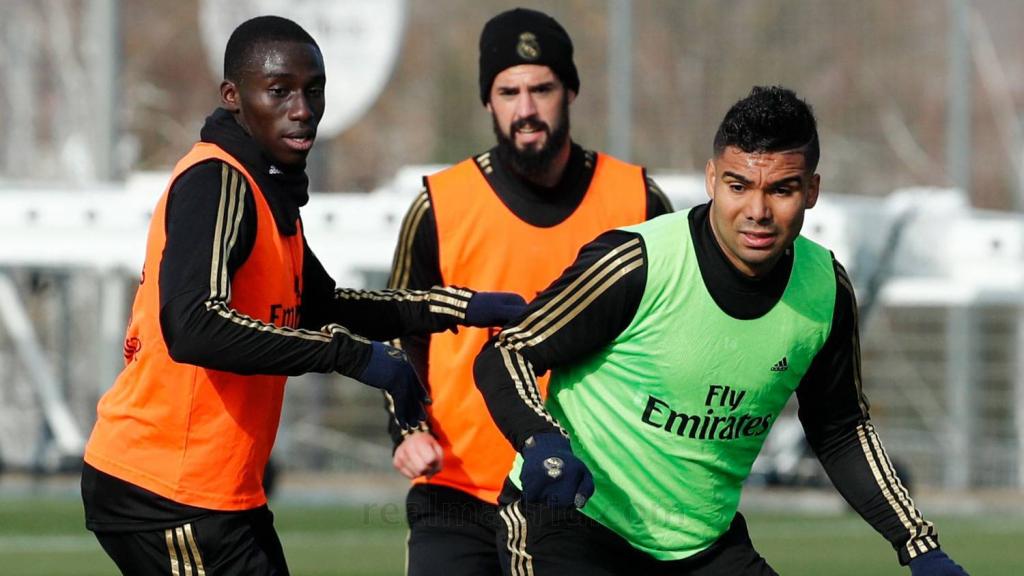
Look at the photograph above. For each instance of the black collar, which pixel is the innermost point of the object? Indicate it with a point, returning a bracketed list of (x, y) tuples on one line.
[(285, 190), (540, 206)]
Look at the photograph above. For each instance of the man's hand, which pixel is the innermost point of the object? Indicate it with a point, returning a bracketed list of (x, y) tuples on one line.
[(935, 563), (487, 309), (419, 454), (552, 474), (389, 370)]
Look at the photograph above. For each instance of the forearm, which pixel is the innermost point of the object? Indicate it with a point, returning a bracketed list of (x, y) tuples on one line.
[(864, 475), (416, 348), (834, 413), (388, 314), (507, 381), (415, 265), (213, 335), (568, 321), (379, 314)]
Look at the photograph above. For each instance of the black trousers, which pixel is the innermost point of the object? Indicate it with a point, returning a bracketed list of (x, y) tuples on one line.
[(538, 540), (450, 533), (217, 544)]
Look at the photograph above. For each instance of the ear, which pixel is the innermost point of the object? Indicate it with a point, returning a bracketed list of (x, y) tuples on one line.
[(572, 96), (710, 178), (229, 97), (812, 192), (488, 106)]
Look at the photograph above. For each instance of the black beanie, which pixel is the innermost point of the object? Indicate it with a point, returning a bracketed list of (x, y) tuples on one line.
[(523, 36)]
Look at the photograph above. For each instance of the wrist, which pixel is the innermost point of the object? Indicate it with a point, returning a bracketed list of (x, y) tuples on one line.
[(383, 366), (547, 437)]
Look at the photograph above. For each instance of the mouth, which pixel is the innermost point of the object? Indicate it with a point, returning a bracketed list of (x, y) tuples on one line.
[(300, 141), (530, 131), (758, 240)]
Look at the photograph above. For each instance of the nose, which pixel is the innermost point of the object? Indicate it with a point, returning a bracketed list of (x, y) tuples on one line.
[(525, 106), (757, 207), (299, 108)]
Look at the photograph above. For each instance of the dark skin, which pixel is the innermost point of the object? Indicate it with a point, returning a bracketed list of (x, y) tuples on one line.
[(278, 99)]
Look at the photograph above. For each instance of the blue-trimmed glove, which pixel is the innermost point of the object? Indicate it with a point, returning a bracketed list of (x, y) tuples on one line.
[(935, 563), (552, 474), (487, 309), (389, 369)]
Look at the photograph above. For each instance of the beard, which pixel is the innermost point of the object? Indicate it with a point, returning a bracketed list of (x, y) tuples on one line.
[(533, 161)]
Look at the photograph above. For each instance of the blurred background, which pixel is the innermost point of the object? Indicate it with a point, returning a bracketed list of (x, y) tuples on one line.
[(920, 106)]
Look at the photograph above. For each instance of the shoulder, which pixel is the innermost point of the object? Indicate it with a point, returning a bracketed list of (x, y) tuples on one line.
[(675, 224), (844, 286), (420, 211), (210, 178), (613, 240), (821, 257), (657, 202), (457, 176)]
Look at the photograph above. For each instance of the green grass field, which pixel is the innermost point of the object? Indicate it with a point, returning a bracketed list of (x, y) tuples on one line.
[(46, 537)]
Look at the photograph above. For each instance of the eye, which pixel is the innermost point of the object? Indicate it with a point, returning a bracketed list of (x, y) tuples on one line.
[(735, 186), (277, 91), (317, 91)]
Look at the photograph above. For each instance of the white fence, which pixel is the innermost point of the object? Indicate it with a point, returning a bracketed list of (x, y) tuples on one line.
[(940, 284)]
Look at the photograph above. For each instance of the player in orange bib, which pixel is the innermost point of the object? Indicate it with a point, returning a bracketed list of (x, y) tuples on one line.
[(509, 219), (231, 302)]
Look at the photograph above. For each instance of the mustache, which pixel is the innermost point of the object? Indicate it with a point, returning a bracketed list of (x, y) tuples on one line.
[(531, 122)]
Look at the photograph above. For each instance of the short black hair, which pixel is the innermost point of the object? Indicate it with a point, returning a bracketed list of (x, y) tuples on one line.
[(770, 119), (254, 32)]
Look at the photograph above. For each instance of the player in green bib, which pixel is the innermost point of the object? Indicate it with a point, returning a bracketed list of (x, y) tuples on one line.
[(674, 345)]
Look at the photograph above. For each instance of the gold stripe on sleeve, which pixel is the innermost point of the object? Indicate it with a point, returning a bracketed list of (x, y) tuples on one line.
[(866, 442), (229, 216), (526, 384), (558, 316), (922, 529), (402, 266), (569, 292), (382, 295), (583, 304), (217, 230), (239, 210)]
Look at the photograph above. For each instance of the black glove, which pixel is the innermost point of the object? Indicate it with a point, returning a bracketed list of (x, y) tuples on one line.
[(389, 369), (552, 474), (494, 308), (935, 563)]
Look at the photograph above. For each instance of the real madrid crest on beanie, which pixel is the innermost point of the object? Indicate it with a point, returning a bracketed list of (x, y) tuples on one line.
[(523, 36)]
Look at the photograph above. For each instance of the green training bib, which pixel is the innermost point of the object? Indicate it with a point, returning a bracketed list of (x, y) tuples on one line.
[(670, 416)]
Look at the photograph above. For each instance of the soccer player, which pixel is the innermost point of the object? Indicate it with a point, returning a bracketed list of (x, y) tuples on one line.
[(231, 301), (511, 218), (674, 344)]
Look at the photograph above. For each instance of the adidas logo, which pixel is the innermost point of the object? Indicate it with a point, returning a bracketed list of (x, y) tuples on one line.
[(781, 365)]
